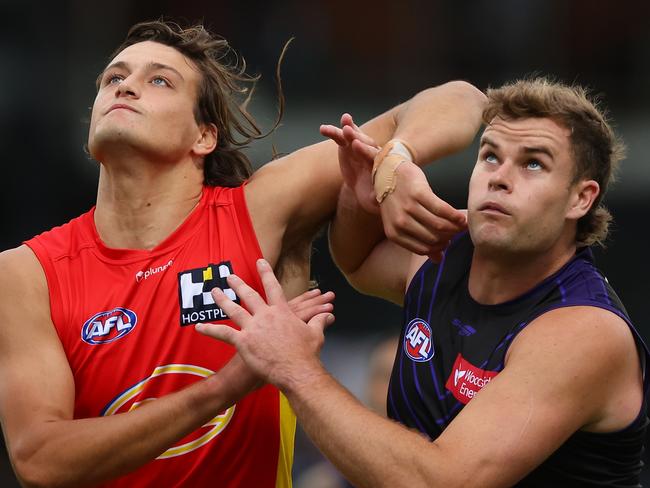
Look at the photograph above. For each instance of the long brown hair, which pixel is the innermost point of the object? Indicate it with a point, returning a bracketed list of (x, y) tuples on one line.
[(224, 92)]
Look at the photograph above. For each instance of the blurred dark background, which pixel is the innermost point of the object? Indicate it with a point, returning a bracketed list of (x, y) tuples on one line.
[(362, 57)]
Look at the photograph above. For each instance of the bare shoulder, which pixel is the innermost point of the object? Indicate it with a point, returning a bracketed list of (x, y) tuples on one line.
[(21, 274), (587, 354), (24, 297), (578, 329)]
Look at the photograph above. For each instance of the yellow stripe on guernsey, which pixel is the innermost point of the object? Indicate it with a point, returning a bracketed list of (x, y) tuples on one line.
[(287, 436), (214, 427)]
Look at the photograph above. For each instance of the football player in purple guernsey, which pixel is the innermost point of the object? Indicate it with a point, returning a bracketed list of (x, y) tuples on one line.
[(517, 363)]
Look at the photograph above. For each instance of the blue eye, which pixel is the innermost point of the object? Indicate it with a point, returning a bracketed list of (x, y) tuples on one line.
[(112, 79), (159, 81), (534, 165), (491, 158)]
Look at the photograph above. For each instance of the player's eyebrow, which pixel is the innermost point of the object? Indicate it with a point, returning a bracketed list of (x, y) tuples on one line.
[(486, 140), (526, 149), (539, 149)]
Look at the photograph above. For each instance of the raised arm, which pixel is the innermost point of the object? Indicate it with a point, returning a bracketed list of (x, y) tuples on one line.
[(290, 198), (47, 447), (414, 219)]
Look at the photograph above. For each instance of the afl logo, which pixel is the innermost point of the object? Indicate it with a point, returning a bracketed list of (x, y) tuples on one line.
[(108, 326), (418, 342)]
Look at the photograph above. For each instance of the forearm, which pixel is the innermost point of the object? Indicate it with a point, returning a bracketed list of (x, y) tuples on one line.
[(84, 452), (434, 123), (353, 233), (370, 451), (441, 120)]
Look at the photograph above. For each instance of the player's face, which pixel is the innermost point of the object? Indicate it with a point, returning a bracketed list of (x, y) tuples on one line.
[(521, 193), (145, 104)]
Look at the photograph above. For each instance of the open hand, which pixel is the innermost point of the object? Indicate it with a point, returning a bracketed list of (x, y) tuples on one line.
[(357, 151), (416, 218), (272, 340)]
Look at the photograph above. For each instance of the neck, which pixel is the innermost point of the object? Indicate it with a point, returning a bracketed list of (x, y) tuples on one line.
[(495, 279), (139, 206)]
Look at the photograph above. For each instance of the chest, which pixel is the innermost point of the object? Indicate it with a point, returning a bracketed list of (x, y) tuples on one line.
[(127, 325)]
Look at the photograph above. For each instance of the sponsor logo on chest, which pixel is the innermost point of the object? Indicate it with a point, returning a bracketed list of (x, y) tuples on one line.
[(418, 341), (108, 326), (466, 380), (195, 300), (462, 328), (166, 379), (143, 275)]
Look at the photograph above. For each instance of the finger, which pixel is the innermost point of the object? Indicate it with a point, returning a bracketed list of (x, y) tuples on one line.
[(321, 321), (414, 245), (351, 135), (321, 298), (303, 300), (305, 296), (237, 314), (419, 233), (439, 207), (307, 313), (346, 119), (433, 223), (352, 123), (364, 150), (251, 298), (333, 133), (306, 309), (273, 290), (221, 332)]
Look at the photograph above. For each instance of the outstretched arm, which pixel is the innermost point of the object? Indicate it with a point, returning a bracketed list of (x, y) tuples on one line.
[(515, 422), (414, 219), (292, 197)]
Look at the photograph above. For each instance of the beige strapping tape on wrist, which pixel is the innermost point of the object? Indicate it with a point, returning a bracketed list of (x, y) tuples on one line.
[(384, 177)]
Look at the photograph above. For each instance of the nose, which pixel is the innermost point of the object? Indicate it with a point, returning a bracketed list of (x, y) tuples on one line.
[(128, 87), (501, 177)]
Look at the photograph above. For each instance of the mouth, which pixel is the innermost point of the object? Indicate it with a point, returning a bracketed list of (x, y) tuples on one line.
[(493, 208), (121, 106)]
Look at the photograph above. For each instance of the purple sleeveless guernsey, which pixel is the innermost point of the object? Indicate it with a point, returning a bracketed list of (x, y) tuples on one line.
[(451, 346)]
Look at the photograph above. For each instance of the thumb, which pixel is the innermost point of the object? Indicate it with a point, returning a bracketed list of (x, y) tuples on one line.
[(321, 320)]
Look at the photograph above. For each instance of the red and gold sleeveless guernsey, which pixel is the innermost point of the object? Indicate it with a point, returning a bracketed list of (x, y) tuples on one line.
[(125, 320)]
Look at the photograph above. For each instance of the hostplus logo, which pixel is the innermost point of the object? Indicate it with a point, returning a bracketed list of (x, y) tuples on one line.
[(146, 274), (194, 286)]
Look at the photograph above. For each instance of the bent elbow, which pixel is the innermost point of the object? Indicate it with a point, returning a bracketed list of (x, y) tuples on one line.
[(468, 91), (32, 473)]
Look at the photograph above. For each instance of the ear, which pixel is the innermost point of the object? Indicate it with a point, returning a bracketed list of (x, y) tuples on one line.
[(583, 195), (207, 141)]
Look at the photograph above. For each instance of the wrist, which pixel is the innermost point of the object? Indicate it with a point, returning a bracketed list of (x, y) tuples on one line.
[(303, 382), (228, 385), (386, 163)]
